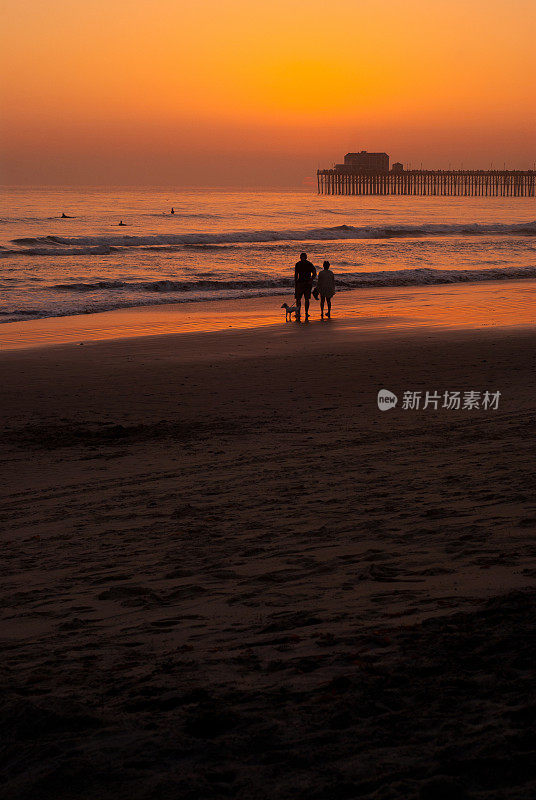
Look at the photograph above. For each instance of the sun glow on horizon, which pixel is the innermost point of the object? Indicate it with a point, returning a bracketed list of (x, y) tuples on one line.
[(112, 89)]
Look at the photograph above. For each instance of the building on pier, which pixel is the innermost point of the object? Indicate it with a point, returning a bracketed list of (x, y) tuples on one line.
[(365, 162)]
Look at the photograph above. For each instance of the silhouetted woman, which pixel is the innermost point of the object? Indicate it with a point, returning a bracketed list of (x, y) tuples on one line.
[(326, 288)]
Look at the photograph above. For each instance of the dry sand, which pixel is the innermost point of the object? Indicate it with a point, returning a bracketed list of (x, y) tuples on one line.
[(225, 573)]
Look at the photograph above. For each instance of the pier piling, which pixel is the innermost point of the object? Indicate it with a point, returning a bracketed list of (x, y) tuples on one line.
[(455, 183)]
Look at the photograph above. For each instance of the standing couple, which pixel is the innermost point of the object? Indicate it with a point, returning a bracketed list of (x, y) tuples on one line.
[(304, 275)]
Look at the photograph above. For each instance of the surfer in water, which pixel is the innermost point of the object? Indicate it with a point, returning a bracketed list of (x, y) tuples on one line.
[(121, 223)]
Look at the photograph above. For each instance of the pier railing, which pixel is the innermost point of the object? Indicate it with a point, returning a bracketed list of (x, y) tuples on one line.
[(466, 183)]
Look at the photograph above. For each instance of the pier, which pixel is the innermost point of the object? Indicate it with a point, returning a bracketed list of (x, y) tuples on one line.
[(455, 183), (368, 173)]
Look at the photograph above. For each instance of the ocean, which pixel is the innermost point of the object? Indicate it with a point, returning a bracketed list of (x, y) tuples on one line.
[(237, 244)]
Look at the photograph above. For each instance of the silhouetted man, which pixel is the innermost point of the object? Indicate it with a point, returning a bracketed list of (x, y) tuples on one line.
[(304, 274)]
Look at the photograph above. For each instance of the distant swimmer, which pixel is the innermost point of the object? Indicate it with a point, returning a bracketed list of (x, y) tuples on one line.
[(121, 223), (172, 210)]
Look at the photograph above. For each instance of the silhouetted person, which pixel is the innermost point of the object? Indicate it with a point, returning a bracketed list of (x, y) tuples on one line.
[(65, 216), (172, 210), (326, 288), (121, 223), (304, 274)]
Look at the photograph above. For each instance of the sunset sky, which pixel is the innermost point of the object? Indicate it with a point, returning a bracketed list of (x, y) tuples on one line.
[(251, 92)]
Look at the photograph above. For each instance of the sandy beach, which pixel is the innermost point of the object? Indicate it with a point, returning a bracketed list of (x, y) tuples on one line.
[(226, 573), (248, 552)]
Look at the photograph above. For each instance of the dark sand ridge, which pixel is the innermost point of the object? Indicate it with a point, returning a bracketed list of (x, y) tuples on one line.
[(227, 574)]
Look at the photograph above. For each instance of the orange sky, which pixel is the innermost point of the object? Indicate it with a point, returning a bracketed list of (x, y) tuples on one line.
[(255, 92)]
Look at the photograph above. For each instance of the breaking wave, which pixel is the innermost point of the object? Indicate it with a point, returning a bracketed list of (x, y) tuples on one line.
[(403, 277), (66, 299), (97, 250), (175, 286), (95, 245)]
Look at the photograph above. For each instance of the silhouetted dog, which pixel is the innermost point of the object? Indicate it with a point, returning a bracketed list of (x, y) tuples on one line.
[(289, 311)]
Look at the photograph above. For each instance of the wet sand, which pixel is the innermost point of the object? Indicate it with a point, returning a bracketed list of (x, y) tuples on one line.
[(378, 309), (226, 573)]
